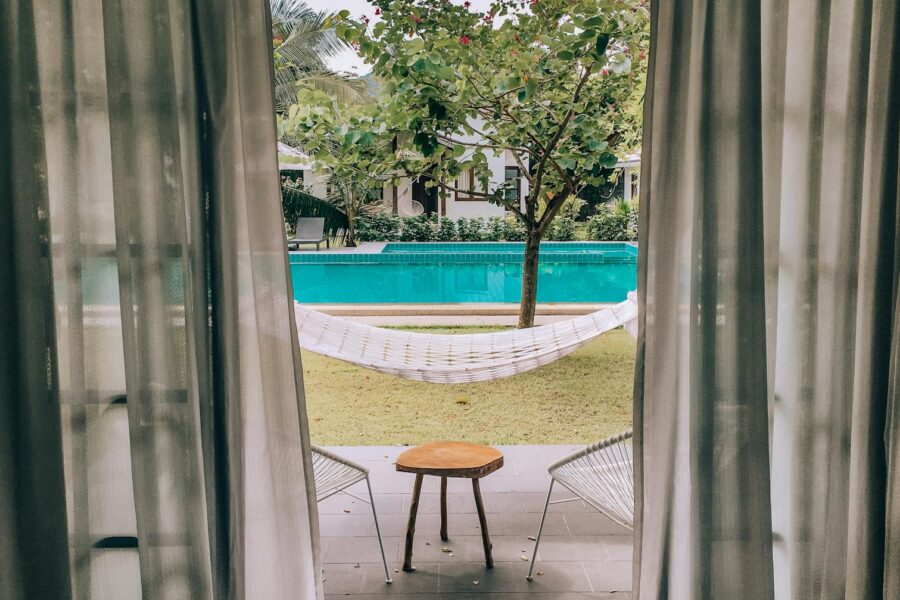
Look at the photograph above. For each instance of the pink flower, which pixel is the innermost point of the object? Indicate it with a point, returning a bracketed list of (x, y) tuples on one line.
[(377, 11), (464, 40), (467, 4), (417, 18)]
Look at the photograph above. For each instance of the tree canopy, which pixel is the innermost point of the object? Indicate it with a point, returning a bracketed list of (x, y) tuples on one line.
[(557, 83)]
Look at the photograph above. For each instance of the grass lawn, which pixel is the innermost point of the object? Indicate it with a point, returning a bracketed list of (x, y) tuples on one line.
[(578, 399)]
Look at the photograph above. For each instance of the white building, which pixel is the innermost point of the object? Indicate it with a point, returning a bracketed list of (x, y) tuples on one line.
[(412, 197)]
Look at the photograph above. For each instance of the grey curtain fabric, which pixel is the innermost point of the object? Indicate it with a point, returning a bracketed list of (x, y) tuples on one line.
[(767, 379), (153, 419)]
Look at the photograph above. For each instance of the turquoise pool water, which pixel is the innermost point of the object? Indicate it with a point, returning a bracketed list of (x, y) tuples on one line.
[(465, 272)]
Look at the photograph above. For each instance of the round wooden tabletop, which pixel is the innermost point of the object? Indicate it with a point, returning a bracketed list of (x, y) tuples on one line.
[(451, 459)]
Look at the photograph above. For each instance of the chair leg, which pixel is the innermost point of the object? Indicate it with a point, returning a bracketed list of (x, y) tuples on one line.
[(387, 574), (537, 540), (444, 536)]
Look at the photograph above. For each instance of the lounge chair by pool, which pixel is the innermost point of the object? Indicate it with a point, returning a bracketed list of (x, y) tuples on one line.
[(309, 230)]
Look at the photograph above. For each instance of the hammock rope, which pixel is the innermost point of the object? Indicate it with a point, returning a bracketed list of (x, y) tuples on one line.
[(441, 358)]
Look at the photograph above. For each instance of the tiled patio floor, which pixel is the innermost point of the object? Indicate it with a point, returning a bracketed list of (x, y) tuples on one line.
[(583, 554)]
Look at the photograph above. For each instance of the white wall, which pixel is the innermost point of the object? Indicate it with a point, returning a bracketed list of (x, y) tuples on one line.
[(315, 183)]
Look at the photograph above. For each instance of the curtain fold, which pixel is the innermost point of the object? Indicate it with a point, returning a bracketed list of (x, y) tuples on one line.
[(768, 354), (34, 547), (168, 417)]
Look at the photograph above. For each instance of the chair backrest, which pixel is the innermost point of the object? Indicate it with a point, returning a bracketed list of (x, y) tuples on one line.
[(310, 228), (602, 475)]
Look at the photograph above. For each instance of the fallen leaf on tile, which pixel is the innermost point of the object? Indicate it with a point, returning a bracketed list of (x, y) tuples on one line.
[(523, 557), (446, 549), (531, 537), (475, 582)]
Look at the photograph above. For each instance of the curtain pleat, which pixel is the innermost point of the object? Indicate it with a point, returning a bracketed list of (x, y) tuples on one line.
[(34, 557), (769, 273), (148, 284)]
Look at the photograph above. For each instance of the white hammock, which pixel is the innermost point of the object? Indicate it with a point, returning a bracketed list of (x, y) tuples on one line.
[(441, 358)]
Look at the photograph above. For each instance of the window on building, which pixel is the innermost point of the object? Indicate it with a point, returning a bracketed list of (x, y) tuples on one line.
[(466, 184), (513, 179)]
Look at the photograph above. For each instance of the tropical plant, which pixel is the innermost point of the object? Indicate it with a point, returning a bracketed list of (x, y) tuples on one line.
[(514, 230), (446, 230), (614, 221), (562, 95), (470, 230), (378, 227), (302, 41), (562, 229), (495, 228), (348, 144), (296, 203), (420, 228)]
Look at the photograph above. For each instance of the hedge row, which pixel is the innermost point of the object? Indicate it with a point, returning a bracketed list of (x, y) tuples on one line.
[(424, 228), (613, 222)]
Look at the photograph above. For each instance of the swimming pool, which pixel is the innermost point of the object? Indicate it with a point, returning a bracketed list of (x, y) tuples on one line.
[(452, 272)]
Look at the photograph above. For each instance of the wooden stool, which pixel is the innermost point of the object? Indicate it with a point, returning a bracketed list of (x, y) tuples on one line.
[(448, 459)]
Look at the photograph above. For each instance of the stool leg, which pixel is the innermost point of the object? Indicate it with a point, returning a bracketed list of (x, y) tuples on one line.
[(485, 537), (411, 525), (444, 536)]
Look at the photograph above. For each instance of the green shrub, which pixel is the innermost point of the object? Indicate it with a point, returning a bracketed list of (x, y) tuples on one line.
[(615, 221), (471, 230), (513, 230), (633, 222), (378, 227), (562, 229), (420, 228), (494, 229), (446, 230)]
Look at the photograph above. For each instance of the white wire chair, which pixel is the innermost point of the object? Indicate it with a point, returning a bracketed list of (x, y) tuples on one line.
[(334, 474), (602, 475)]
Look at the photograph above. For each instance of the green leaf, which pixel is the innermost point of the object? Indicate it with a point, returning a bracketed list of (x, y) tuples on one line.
[(596, 21), (530, 89), (601, 44), (509, 83)]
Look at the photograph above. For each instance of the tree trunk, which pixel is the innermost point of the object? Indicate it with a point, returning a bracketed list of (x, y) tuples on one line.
[(529, 278)]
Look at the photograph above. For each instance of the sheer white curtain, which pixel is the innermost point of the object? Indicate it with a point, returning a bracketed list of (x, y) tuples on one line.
[(766, 452), (153, 426)]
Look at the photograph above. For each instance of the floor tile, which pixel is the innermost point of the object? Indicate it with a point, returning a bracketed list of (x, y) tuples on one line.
[(583, 556), (609, 576), (343, 578), (511, 577)]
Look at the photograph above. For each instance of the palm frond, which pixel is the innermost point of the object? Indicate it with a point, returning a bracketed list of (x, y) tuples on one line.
[(298, 203), (344, 88)]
